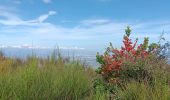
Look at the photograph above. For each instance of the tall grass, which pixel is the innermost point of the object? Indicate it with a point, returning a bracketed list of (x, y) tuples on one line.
[(158, 88), (143, 91), (57, 78), (44, 79)]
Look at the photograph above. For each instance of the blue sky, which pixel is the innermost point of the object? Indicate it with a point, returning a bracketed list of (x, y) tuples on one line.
[(89, 24)]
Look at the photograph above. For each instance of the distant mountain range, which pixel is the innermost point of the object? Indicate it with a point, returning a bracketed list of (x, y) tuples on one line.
[(24, 51), (24, 46)]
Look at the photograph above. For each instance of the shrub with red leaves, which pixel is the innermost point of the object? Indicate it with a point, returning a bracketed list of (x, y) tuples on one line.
[(113, 60)]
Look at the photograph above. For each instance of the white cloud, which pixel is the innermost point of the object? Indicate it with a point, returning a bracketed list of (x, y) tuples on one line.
[(96, 31), (30, 46), (12, 19), (17, 1), (9, 18), (87, 30), (47, 1), (95, 21), (52, 12), (42, 18)]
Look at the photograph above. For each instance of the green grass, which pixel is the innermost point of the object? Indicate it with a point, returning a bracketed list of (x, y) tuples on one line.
[(143, 91), (156, 89), (56, 78), (44, 79)]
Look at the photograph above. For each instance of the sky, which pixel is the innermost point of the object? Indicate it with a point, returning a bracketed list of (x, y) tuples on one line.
[(87, 24)]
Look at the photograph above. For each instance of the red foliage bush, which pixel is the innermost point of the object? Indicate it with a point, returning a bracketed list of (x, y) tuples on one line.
[(113, 59)]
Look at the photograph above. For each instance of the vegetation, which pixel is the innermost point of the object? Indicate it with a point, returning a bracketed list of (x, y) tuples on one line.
[(42, 79), (134, 72)]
